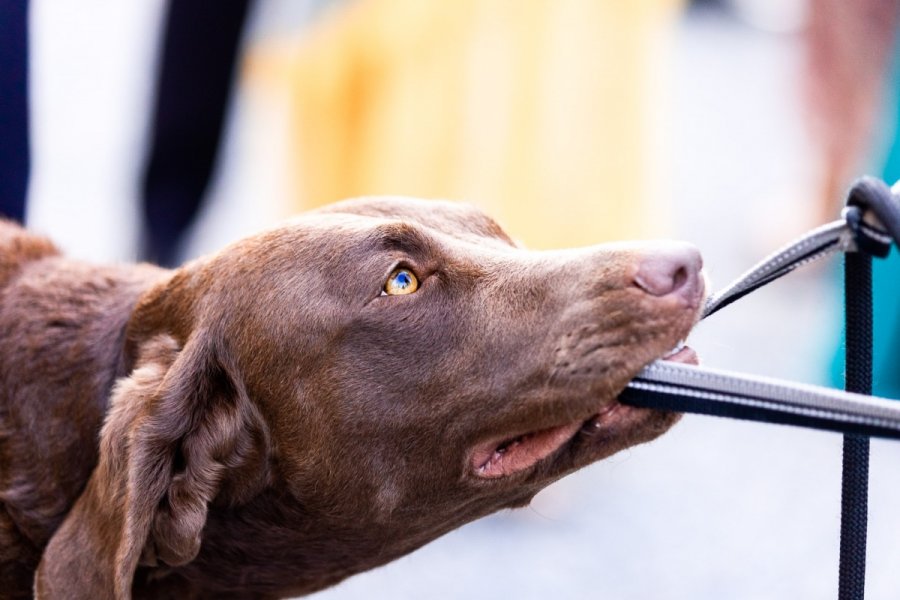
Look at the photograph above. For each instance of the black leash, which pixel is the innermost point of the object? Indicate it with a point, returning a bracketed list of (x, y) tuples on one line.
[(874, 196), (855, 468), (870, 224)]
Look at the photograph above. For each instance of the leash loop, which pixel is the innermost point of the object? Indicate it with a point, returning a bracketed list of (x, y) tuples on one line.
[(866, 238), (875, 198)]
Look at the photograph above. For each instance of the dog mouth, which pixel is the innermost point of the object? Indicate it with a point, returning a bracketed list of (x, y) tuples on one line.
[(503, 457), (682, 353)]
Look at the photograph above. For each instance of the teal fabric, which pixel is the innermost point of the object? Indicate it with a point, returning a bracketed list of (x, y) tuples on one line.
[(885, 272)]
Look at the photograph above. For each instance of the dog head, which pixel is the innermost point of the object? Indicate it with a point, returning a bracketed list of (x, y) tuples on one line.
[(357, 383)]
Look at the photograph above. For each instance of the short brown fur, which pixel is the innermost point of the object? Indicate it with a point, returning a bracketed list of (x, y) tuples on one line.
[(265, 423)]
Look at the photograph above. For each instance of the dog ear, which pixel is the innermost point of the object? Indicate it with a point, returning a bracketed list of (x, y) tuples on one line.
[(179, 428)]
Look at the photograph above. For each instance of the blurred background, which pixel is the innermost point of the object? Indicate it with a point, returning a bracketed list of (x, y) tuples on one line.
[(733, 124)]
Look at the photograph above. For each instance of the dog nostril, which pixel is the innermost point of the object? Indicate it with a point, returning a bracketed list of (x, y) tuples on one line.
[(679, 278), (669, 270)]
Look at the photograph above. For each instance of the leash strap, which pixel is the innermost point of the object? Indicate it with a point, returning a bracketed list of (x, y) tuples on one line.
[(855, 466), (674, 386), (844, 235), (739, 396)]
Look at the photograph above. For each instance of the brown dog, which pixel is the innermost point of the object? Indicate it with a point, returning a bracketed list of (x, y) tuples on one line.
[(311, 402)]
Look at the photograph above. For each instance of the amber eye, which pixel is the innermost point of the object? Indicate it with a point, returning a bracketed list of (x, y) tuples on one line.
[(401, 281)]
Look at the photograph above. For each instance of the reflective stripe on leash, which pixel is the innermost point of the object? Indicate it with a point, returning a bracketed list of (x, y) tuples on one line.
[(701, 390)]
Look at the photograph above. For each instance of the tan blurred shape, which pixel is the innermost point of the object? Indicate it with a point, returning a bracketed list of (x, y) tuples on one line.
[(848, 52), (546, 113)]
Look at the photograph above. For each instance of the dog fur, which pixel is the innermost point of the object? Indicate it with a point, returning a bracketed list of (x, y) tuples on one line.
[(266, 422)]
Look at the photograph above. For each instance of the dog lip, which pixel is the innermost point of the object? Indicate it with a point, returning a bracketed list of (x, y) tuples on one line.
[(505, 456), (685, 355), (500, 457)]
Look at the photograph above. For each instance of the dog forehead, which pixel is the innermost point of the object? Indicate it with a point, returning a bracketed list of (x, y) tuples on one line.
[(455, 219)]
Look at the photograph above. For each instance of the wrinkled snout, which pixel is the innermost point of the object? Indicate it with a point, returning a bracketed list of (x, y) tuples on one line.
[(671, 269)]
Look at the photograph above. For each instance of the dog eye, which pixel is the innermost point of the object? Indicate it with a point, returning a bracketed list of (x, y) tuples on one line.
[(401, 281)]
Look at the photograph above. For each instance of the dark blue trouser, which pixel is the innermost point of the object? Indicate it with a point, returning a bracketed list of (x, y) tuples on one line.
[(15, 163), (197, 64)]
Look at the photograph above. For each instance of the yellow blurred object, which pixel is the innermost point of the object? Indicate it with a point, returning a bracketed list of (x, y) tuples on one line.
[(546, 113)]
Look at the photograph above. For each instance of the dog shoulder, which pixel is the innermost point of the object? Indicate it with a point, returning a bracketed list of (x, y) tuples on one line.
[(19, 247)]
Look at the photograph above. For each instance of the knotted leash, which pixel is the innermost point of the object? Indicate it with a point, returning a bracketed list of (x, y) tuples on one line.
[(868, 226)]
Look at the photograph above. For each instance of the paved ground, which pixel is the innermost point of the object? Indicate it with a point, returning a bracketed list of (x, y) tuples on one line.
[(714, 510)]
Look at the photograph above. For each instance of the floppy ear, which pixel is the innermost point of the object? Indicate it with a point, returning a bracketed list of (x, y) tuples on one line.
[(178, 429)]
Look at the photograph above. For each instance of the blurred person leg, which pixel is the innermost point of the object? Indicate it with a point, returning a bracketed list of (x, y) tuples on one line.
[(877, 74), (197, 65), (15, 163), (886, 272), (848, 54)]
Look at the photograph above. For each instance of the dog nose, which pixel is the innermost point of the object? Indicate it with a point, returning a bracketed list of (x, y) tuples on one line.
[(673, 268)]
